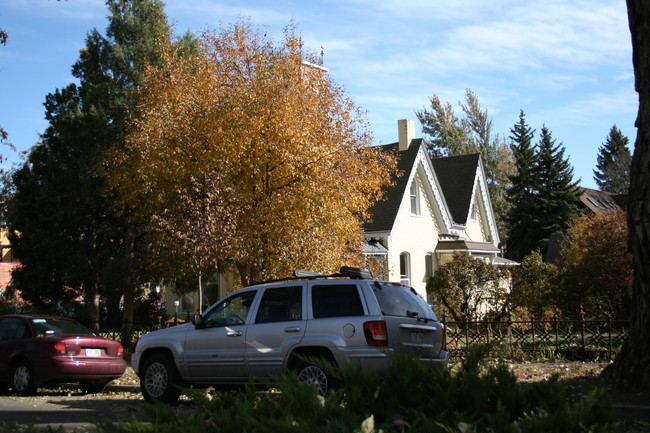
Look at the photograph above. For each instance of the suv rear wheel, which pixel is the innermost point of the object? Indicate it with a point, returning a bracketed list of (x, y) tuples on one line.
[(316, 376), (159, 380)]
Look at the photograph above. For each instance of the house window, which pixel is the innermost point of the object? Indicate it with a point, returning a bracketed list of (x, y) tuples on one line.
[(415, 199), (473, 215), (405, 269)]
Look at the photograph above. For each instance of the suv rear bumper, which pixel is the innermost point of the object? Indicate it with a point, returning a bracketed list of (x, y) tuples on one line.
[(377, 362)]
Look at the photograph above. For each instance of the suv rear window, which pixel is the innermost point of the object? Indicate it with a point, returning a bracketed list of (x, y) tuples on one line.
[(336, 301), (398, 300)]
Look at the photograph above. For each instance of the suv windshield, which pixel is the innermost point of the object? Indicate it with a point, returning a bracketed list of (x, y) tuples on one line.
[(398, 300)]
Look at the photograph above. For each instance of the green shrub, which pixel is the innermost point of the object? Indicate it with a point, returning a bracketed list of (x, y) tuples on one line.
[(472, 397)]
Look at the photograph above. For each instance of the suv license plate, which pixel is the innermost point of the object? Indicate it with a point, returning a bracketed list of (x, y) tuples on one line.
[(94, 352), (417, 337)]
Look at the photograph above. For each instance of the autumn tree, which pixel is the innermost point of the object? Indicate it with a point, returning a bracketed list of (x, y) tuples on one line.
[(612, 173), (595, 269), (449, 135), (632, 364), (276, 151), (532, 288), (469, 288)]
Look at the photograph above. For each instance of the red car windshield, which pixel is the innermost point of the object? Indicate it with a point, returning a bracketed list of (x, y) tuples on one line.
[(55, 325)]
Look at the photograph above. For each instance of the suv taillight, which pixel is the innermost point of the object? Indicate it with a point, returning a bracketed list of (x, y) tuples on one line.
[(376, 333)]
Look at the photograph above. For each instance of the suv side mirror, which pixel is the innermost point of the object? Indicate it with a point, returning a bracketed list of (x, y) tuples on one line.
[(198, 322)]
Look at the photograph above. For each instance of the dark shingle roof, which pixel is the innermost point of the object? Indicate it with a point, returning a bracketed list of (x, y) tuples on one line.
[(456, 175), (602, 201), (385, 211)]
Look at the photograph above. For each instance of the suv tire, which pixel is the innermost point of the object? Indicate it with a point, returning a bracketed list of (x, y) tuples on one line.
[(315, 375), (159, 380)]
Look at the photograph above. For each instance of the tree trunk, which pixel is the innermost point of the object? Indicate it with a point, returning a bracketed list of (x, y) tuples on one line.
[(632, 365), (128, 294), (93, 305)]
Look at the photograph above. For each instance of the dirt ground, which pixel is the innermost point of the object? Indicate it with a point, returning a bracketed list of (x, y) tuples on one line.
[(577, 379)]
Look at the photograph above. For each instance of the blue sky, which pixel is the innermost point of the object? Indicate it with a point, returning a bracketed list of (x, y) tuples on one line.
[(567, 64)]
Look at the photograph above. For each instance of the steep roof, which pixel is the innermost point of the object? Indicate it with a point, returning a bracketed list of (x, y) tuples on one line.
[(384, 212), (602, 201), (456, 175)]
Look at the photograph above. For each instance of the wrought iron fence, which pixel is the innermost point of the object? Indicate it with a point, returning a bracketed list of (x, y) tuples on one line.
[(516, 339), (532, 339)]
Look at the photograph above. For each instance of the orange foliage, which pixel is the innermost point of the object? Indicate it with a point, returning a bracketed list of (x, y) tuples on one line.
[(281, 153), (596, 266)]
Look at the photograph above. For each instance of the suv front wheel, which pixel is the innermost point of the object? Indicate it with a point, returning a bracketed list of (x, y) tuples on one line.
[(159, 380)]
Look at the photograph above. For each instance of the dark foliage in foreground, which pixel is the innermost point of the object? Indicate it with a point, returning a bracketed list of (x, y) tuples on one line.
[(470, 398)]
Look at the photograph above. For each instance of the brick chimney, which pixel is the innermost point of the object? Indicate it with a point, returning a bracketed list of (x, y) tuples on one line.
[(406, 129)]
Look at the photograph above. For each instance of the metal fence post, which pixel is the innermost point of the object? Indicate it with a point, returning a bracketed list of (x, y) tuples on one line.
[(510, 333), (557, 334), (532, 325), (487, 332), (582, 330), (609, 332)]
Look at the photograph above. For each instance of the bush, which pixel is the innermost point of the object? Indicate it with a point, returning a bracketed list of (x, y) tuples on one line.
[(471, 397)]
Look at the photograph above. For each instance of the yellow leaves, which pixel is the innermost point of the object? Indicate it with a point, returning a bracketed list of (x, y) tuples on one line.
[(286, 142)]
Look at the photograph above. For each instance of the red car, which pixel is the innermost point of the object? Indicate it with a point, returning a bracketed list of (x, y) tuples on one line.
[(40, 349)]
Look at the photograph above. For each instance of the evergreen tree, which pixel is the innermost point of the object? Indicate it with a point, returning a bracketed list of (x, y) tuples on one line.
[(614, 161), (558, 195), (62, 224), (522, 191)]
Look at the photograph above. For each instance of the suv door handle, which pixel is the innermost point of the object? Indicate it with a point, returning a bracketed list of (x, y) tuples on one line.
[(292, 329), (234, 333)]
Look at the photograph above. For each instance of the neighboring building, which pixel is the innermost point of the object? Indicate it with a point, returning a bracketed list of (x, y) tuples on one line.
[(591, 201), (7, 261), (601, 201), (436, 208)]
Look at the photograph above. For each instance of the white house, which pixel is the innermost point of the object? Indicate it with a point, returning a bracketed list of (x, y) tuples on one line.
[(437, 207)]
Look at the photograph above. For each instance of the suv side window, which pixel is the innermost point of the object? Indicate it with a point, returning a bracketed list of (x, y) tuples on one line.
[(336, 301), (280, 304), (230, 311)]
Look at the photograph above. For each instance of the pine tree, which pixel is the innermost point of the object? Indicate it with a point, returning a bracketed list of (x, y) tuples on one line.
[(558, 195), (63, 226), (614, 161), (524, 186)]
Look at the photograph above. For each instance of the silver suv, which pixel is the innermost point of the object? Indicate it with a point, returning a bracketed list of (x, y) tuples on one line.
[(267, 329)]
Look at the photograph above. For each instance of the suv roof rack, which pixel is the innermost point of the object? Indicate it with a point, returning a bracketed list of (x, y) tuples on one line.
[(344, 272)]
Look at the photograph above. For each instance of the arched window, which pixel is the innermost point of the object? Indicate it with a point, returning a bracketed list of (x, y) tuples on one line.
[(405, 269)]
